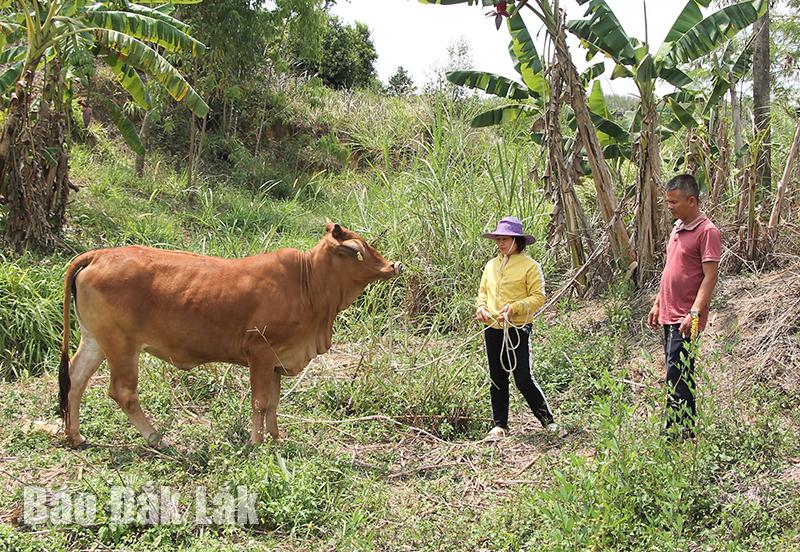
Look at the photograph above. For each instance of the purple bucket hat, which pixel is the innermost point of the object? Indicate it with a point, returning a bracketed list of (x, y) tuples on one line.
[(511, 227)]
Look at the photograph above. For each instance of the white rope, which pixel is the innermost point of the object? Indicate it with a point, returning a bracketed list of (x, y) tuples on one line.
[(508, 346)]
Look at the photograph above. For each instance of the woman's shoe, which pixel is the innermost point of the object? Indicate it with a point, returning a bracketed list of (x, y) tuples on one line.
[(555, 429), (496, 433)]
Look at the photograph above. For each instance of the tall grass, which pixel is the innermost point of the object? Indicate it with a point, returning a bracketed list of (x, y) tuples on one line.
[(430, 214), (637, 490), (425, 208), (30, 314)]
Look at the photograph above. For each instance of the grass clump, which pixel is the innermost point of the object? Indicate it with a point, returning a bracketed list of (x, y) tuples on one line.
[(30, 311)]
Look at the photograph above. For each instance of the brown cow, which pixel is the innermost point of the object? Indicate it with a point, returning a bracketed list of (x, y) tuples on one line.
[(271, 312)]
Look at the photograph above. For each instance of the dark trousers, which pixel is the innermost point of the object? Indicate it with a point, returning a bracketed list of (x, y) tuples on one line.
[(518, 357), (681, 408)]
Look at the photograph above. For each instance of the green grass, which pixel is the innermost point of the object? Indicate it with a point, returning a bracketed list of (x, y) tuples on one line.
[(381, 439)]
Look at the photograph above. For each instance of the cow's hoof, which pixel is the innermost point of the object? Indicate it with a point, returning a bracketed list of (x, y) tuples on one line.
[(77, 444), (157, 441)]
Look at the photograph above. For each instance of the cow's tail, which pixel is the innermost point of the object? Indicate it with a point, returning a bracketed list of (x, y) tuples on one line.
[(63, 369)]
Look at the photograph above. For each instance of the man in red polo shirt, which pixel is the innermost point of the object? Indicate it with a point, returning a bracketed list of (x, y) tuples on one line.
[(684, 296)]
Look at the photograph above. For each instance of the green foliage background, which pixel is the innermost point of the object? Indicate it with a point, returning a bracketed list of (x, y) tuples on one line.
[(354, 470)]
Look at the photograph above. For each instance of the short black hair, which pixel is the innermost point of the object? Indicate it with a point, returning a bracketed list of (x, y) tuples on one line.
[(520, 244), (686, 183)]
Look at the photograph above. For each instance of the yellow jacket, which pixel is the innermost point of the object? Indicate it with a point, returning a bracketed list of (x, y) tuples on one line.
[(520, 283)]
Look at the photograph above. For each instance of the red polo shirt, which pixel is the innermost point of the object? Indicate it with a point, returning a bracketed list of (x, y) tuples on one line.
[(688, 248)]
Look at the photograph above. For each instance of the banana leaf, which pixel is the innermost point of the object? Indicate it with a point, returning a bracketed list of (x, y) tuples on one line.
[(592, 72), (14, 53), (596, 100), (139, 55), (526, 58), (503, 114), (729, 75), (601, 30), (157, 14), (690, 16), (714, 30), (617, 151), (10, 77), (489, 83), (674, 76), (148, 29), (610, 128), (128, 78), (681, 116), (125, 126)]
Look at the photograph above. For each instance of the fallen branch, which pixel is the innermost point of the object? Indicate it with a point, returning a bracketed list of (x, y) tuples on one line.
[(560, 293), (426, 467), (526, 466), (374, 418)]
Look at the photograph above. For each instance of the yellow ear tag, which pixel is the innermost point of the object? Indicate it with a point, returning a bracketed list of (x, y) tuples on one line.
[(359, 256)]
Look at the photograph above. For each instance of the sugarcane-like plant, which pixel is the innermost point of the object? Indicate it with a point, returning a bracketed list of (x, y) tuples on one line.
[(570, 86)]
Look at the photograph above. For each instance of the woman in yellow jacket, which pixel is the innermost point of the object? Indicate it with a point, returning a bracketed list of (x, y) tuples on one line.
[(511, 291)]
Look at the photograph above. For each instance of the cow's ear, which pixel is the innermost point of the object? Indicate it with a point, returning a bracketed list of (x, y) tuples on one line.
[(353, 248)]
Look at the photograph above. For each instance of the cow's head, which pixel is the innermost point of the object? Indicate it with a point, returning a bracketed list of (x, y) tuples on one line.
[(356, 257)]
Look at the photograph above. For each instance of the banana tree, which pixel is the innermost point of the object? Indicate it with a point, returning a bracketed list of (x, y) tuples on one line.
[(729, 70), (539, 99), (529, 67), (691, 37), (53, 38)]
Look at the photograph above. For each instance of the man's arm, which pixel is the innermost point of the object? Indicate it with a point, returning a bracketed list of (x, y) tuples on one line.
[(710, 276), (703, 299), (652, 316)]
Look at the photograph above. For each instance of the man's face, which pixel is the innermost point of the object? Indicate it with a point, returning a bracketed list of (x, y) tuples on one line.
[(680, 205)]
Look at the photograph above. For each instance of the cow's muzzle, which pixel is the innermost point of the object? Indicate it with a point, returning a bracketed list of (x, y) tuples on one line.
[(398, 269)]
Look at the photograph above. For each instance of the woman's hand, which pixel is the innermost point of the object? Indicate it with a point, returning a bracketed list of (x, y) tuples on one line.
[(483, 315), (504, 314)]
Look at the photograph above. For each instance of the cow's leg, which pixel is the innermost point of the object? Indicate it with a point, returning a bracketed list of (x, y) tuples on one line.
[(82, 366), (272, 404), (264, 388), (123, 389)]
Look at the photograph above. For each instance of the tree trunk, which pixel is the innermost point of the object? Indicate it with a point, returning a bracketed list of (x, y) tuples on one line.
[(649, 217), (190, 161), (606, 199), (745, 176), (736, 120), (774, 219), (144, 132), (752, 228), (721, 169), (565, 219), (202, 141), (34, 162), (761, 101)]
